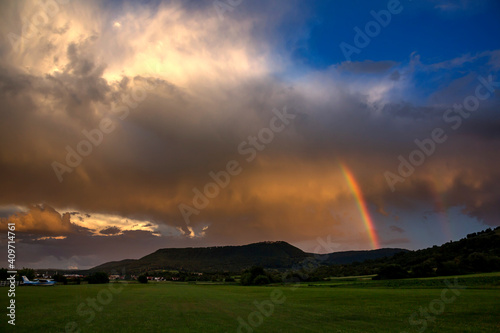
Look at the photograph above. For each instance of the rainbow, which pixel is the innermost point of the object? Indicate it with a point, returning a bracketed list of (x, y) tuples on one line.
[(363, 209)]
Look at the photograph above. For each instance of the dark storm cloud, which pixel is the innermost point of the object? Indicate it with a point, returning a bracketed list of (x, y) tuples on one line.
[(484, 125), (83, 251), (167, 152), (110, 231)]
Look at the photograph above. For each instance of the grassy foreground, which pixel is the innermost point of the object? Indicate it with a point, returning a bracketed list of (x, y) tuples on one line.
[(175, 307)]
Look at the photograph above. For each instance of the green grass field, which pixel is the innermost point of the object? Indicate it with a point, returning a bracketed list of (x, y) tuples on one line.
[(340, 305)]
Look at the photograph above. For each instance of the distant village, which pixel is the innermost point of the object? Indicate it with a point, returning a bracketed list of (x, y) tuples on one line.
[(77, 278)]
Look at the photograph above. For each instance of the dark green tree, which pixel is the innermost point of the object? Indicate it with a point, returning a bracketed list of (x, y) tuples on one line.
[(3, 274), (28, 272), (60, 278), (261, 280), (391, 271), (249, 277), (142, 279), (98, 278)]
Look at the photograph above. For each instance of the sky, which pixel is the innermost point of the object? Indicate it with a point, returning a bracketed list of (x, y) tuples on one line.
[(129, 126)]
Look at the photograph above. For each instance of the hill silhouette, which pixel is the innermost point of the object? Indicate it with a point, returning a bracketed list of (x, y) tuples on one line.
[(272, 255), (478, 252)]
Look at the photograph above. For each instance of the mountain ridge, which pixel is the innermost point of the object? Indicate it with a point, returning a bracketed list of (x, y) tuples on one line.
[(235, 258)]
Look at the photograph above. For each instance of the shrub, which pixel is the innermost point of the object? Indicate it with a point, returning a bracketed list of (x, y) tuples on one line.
[(142, 279), (246, 279), (261, 280), (249, 277)]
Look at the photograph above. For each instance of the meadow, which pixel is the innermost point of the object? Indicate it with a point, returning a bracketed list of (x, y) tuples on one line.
[(353, 304)]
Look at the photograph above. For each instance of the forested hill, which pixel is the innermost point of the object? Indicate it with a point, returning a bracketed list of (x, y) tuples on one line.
[(478, 252), (279, 255)]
